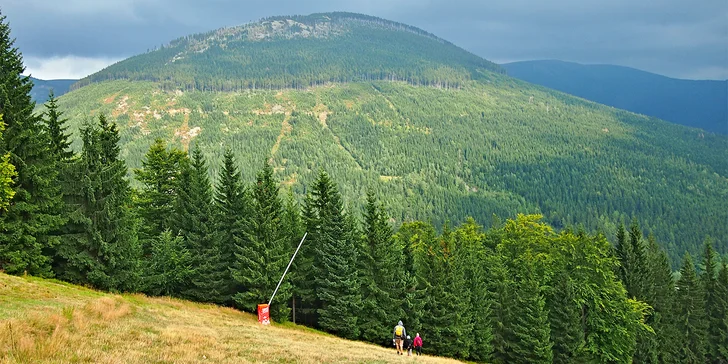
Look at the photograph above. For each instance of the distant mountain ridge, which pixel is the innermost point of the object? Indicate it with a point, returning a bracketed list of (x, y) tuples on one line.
[(696, 103), (42, 87)]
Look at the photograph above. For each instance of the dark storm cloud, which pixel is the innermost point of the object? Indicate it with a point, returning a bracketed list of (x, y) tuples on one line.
[(673, 37)]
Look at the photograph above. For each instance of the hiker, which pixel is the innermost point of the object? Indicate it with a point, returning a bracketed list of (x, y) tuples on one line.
[(408, 345), (418, 344), (399, 334)]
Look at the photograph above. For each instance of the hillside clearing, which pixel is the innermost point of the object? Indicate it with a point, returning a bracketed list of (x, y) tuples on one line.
[(51, 321)]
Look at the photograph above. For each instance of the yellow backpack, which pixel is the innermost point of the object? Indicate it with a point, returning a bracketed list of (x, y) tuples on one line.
[(398, 330)]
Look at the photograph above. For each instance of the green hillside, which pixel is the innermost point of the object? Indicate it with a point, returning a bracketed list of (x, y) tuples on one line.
[(473, 142), (47, 321)]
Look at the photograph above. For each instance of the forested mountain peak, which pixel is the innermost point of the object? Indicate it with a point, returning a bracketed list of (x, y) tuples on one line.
[(302, 51)]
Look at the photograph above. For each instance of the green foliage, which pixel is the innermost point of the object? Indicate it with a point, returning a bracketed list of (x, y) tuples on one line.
[(714, 304), (7, 173), (690, 307), (99, 241), (55, 126), (160, 176), (439, 154), (33, 212), (170, 266), (382, 275), (264, 255), (192, 218), (663, 318), (232, 211), (335, 256), (720, 338)]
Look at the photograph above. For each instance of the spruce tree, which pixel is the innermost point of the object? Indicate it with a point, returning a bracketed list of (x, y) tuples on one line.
[(622, 251), (691, 314), (336, 281), (304, 288), (446, 316), (382, 276), (192, 219), (33, 213), (294, 231), (260, 262), (721, 330), (663, 319), (413, 237), (170, 266), (7, 173), (567, 334), (160, 177), (471, 255), (232, 211), (714, 314), (99, 242), (55, 125), (530, 323)]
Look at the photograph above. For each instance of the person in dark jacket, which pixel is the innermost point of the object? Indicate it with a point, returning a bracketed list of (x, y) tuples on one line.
[(418, 344), (408, 345)]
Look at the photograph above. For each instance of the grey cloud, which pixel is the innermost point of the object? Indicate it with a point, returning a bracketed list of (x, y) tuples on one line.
[(672, 37)]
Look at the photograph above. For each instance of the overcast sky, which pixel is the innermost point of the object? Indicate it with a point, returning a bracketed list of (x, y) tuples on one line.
[(677, 38)]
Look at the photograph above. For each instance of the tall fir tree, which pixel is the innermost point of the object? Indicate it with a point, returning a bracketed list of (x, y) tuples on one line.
[(471, 255), (663, 319), (55, 125), (170, 266), (691, 314), (335, 277), (160, 177), (99, 242), (623, 253), (413, 237), (232, 211), (713, 311), (193, 220), (7, 173), (382, 276), (294, 231), (33, 213), (530, 324), (261, 261), (721, 296), (567, 333), (304, 273), (446, 319)]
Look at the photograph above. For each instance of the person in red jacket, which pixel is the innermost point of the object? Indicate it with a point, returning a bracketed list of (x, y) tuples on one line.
[(418, 344)]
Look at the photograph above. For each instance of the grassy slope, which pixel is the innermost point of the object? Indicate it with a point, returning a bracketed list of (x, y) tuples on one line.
[(498, 146), (51, 321)]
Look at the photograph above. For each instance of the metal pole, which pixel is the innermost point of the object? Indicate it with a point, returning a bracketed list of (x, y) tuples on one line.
[(289, 265)]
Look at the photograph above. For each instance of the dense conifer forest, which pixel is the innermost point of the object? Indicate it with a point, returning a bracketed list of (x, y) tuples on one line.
[(185, 222)]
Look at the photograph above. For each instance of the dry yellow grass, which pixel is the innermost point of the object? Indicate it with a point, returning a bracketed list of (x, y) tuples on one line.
[(53, 322)]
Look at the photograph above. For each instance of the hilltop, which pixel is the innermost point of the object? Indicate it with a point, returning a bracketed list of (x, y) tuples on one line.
[(47, 321), (301, 51), (454, 137), (42, 87), (696, 103)]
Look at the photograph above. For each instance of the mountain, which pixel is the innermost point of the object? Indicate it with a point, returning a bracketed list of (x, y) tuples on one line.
[(42, 87), (47, 321), (699, 104), (439, 133)]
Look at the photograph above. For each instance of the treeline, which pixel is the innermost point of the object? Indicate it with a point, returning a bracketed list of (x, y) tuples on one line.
[(227, 60)]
